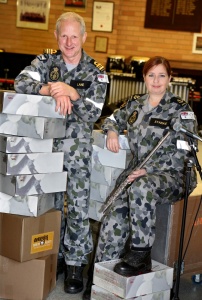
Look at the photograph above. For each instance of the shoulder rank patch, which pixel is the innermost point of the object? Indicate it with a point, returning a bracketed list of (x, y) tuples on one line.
[(135, 97), (125, 102), (159, 123), (43, 57), (123, 105), (102, 78), (187, 115), (133, 117), (56, 52), (54, 73), (98, 65), (178, 100)]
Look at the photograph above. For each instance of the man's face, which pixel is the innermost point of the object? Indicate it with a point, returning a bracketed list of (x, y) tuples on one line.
[(70, 41)]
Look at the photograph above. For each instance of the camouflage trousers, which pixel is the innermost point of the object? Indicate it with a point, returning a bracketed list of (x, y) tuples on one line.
[(132, 218), (76, 239)]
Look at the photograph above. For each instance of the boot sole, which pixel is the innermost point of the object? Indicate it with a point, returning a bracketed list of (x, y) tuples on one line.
[(135, 273), (73, 292)]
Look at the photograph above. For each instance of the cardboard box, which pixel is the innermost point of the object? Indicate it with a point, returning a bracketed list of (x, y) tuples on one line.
[(31, 163), (100, 140), (25, 238), (93, 211), (104, 175), (168, 230), (32, 206), (22, 185), (31, 105), (99, 293), (18, 144), (31, 280), (33, 127), (159, 279), (99, 192), (107, 158)]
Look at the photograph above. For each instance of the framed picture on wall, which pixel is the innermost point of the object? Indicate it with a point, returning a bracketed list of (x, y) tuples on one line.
[(197, 43), (101, 43), (33, 14), (103, 13), (76, 5)]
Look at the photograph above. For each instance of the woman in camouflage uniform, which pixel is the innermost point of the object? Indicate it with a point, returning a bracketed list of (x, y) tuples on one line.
[(162, 179)]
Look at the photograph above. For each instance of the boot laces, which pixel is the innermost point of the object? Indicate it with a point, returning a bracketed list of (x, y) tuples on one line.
[(75, 272)]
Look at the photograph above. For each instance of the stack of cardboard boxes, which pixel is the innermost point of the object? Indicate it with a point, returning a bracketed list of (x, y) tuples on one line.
[(109, 285), (106, 167), (30, 174)]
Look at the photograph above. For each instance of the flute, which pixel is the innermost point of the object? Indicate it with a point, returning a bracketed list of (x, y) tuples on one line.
[(125, 184)]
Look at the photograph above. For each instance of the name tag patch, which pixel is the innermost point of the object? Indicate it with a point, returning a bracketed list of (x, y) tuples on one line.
[(79, 84), (159, 123)]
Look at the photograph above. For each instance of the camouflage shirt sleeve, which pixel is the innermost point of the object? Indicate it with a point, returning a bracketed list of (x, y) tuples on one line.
[(88, 78)]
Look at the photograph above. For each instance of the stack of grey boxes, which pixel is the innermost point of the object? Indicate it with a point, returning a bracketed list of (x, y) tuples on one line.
[(30, 174), (157, 284), (106, 167)]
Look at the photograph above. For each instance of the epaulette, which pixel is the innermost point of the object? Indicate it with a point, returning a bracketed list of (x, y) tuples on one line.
[(55, 52), (123, 104), (178, 100), (131, 98), (97, 65), (45, 56), (135, 97)]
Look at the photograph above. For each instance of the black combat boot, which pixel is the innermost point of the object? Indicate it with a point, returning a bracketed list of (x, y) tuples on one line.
[(60, 267), (87, 292), (73, 283), (137, 261)]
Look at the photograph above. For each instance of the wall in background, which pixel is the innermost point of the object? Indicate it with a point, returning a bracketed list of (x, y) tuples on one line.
[(129, 37)]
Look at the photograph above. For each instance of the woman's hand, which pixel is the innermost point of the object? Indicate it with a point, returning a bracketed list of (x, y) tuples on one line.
[(113, 141), (136, 174)]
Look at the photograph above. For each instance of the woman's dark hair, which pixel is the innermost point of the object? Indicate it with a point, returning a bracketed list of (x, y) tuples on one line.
[(155, 61)]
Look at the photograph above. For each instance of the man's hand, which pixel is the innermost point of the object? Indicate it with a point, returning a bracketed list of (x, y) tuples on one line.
[(63, 105), (63, 95), (60, 89)]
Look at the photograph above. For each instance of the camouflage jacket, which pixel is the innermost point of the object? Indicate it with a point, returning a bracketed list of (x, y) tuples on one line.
[(88, 78), (144, 132)]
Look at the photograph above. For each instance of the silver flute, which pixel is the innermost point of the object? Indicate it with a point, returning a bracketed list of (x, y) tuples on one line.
[(105, 208)]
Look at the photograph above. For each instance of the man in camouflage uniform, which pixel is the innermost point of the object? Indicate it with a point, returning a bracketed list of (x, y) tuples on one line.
[(78, 83)]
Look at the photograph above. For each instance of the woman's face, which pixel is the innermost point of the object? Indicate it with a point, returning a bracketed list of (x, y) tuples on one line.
[(157, 80)]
